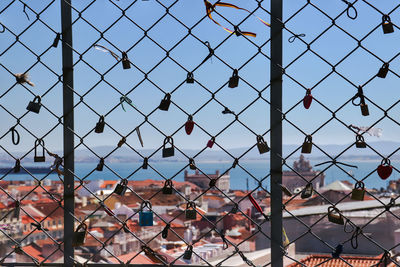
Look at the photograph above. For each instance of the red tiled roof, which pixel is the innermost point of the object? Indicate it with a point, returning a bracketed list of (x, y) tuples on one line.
[(355, 261), (30, 250), (139, 259)]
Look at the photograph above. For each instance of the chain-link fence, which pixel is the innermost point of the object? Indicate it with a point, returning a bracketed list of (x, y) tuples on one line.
[(165, 109)]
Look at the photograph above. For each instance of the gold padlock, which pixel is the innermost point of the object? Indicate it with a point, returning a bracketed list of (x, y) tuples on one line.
[(335, 218), (358, 191)]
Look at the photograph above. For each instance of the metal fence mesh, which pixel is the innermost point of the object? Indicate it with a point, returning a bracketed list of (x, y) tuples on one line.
[(158, 86)]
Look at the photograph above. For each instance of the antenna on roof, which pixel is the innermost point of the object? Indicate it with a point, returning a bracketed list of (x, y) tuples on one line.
[(247, 184)]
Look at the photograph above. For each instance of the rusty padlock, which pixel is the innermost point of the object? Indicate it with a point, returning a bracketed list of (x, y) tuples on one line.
[(358, 191), (364, 109), (334, 215), (307, 145)]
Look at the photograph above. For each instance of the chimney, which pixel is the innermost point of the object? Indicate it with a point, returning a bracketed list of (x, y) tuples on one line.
[(217, 172), (186, 173)]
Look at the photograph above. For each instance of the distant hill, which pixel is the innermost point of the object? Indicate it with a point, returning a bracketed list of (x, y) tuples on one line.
[(124, 154)]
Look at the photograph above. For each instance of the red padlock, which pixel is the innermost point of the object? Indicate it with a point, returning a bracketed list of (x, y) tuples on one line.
[(189, 125), (307, 99), (210, 142), (385, 169)]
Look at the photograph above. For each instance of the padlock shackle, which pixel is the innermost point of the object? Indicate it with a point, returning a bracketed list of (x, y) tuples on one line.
[(235, 73), (167, 96), (38, 98), (308, 139), (386, 18), (332, 209), (385, 161), (168, 183), (359, 185), (260, 139), (39, 142), (81, 226), (190, 75), (101, 119), (191, 205), (124, 182), (124, 56), (168, 139), (145, 204)]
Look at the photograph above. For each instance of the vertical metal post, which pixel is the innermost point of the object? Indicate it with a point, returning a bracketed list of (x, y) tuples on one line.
[(68, 118), (276, 133)]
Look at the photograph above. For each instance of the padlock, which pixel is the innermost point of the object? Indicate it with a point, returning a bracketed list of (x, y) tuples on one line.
[(126, 228), (126, 64), (35, 106), (335, 218), (145, 216), (145, 163), (307, 100), (383, 71), (385, 169), (235, 163), (18, 250), (285, 190), (211, 142), (360, 143), (100, 165), (17, 209), (262, 145), (189, 125), (364, 109), (107, 209), (168, 151), (190, 212), (338, 250), (100, 125), (307, 191), (234, 80), (192, 165), (79, 237), (56, 40), (307, 145), (190, 78), (164, 104), (37, 158), (387, 25), (358, 191), (167, 189), (188, 253), (17, 166), (120, 189), (121, 142), (212, 183), (235, 208)]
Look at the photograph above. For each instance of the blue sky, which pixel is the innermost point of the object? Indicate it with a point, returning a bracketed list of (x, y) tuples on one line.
[(358, 68)]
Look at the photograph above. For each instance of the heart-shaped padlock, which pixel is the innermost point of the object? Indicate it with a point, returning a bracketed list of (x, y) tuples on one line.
[(189, 125), (385, 169), (307, 99), (210, 142)]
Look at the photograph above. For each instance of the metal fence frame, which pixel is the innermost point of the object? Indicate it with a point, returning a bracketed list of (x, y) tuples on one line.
[(277, 117)]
